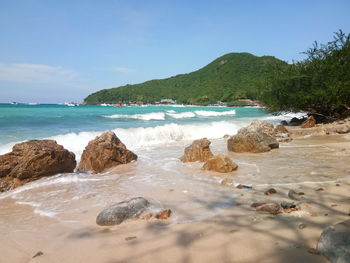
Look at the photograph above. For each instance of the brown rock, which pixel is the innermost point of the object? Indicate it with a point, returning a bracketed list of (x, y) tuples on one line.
[(280, 129), (221, 164), (261, 126), (309, 123), (164, 214), (32, 160), (104, 152), (198, 151), (270, 208), (270, 191), (251, 141)]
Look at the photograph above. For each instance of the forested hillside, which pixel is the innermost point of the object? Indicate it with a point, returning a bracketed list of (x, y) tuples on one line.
[(228, 78)]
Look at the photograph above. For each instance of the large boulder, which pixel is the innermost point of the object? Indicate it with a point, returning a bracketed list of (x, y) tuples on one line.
[(220, 163), (104, 152), (334, 242), (249, 140), (32, 160), (119, 212), (261, 126), (198, 151), (309, 122)]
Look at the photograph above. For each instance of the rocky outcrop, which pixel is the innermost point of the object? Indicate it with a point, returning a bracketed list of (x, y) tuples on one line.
[(198, 151), (221, 164), (334, 242), (104, 152), (32, 160), (117, 213), (309, 123), (251, 141)]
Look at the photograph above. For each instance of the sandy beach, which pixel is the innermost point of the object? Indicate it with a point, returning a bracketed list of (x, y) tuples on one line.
[(317, 166)]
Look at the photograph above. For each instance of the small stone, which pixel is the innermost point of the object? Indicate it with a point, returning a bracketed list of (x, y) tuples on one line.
[(255, 205), (319, 189), (337, 185), (164, 214), (301, 193), (313, 251), (287, 205), (241, 186), (325, 214), (270, 208), (270, 191), (130, 238), (301, 226), (38, 254)]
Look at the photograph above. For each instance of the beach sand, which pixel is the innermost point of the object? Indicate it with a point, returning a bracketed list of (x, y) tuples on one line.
[(237, 234)]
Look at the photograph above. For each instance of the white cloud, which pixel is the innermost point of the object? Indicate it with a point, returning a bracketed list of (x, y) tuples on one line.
[(36, 73)]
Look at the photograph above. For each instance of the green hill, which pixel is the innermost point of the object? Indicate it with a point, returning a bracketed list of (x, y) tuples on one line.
[(230, 77)]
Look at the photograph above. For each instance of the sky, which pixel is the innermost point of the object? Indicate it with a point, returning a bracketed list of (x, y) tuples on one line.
[(57, 51)]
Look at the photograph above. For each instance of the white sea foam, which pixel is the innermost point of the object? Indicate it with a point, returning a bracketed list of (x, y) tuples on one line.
[(287, 116), (135, 138), (214, 113), (145, 117), (182, 115)]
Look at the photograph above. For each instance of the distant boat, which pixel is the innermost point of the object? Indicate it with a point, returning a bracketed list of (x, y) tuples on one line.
[(105, 104), (14, 103), (118, 105)]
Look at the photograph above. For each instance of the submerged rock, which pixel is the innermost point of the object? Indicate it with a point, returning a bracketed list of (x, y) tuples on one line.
[(221, 164), (309, 122), (32, 160), (119, 212), (104, 152), (334, 242), (198, 151)]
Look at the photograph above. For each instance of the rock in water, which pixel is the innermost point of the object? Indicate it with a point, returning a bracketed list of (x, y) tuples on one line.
[(309, 123), (221, 164), (32, 160), (334, 242), (251, 141), (122, 211), (104, 152), (198, 151), (261, 126)]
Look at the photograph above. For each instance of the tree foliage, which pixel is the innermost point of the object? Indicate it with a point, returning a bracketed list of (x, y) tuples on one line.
[(319, 85), (228, 78)]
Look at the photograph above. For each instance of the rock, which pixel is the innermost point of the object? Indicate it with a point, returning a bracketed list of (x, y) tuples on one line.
[(243, 186), (296, 122), (301, 226), (251, 141), (104, 152), (198, 151), (309, 123), (287, 205), (334, 242), (261, 126), (221, 164), (32, 160), (119, 212), (270, 191), (270, 208), (38, 254), (280, 130), (130, 238), (284, 123), (319, 189), (164, 214)]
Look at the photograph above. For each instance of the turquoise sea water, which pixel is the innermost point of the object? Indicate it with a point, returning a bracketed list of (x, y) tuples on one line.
[(137, 126)]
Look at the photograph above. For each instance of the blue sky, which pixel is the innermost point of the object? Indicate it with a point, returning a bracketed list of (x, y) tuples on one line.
[(56, 51)]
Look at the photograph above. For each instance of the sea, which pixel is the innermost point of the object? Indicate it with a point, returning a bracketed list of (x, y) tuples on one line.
[(158, 135)]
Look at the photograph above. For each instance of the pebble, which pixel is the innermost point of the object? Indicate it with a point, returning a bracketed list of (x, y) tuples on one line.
[(38, 254), (130, 238), (270, 191), (313, 251), (301, 226), (320, 189)]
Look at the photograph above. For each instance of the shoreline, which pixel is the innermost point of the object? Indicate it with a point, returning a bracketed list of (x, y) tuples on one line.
[(237, 234)]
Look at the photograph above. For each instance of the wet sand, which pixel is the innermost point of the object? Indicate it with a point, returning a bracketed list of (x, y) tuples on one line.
[(235, 233)]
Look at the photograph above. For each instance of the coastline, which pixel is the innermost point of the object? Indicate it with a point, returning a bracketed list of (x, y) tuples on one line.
[(237, 234)]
